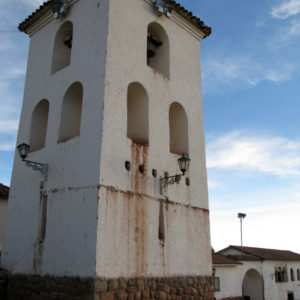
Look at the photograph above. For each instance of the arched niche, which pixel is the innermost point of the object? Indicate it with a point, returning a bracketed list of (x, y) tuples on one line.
[(158, 52), (39, 123), (178, 124), (137, 114), (62, 47), (71, 113), (253, 286)]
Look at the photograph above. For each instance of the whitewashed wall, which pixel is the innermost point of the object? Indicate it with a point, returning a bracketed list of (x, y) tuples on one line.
[(279, 290), (129, 224), (94, 226), (231, 279), (72, 186)]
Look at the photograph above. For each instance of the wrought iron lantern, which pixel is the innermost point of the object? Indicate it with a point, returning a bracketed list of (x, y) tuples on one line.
[(183, 163), (23, 150)]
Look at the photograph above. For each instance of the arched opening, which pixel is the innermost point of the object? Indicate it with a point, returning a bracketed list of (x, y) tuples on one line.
[(62, 47), (71, 113), (178, 122), (39, 123), (298, 274), (137, 114), (158, 49), (292, 275), (253, 287)]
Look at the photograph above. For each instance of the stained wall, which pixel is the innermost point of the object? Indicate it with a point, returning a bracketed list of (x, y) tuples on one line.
[(130, 205)]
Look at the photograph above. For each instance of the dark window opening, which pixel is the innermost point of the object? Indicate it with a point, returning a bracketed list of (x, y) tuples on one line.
[(217, 286)]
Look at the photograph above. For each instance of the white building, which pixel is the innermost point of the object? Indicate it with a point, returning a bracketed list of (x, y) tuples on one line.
[(112, 99), (256, 274)]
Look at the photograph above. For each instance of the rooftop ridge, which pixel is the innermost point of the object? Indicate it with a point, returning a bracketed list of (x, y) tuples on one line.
[(263, 253), (46, 6)]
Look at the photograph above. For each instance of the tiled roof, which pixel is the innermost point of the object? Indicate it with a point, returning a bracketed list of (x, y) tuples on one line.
[(190, 17), (219, 259), (36, 15), (177, 7), (251, 253), (4, 191)]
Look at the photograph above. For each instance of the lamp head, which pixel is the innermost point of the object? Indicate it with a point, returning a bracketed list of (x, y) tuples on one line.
[(23, 150), (241, 215), (183, 163)]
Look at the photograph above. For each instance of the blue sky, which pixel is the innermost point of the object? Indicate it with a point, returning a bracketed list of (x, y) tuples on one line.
[(251, 100)]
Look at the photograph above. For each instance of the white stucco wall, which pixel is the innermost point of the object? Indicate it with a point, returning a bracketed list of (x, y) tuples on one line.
[(279, 290), (231, 279), (3, 209), (101, 219), (72, 186), (129, 224)]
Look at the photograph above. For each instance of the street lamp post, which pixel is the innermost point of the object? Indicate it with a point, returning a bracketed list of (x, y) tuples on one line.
[(241, 216)]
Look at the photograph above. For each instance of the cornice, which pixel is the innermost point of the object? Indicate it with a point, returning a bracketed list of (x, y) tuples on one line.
[(45, 19)]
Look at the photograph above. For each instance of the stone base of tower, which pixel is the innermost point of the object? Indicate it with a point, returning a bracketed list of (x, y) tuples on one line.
[(15, 287)]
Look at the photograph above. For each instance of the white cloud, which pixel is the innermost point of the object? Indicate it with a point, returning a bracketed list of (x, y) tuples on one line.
[(224, 71), (294, 28), (7, 146), (239, 151), (286, 9), (9, 126), (264, 226), (285, 37)]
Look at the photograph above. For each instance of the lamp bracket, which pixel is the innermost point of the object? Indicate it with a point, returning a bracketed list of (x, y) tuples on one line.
[(43, 168), (164, 182)]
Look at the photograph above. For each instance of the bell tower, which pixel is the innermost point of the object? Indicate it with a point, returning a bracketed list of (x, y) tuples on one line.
[(112, 106)]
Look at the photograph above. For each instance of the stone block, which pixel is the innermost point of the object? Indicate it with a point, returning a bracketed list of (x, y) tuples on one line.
[(166, 288), (193, 291), (180, 291), (113, 284), (162, 295), (138, 295), (146, 295), (131, 296), (123, 283), (152, 285), (120, 295), (131, 289), (108, 296), (100, 286), (140, 284)]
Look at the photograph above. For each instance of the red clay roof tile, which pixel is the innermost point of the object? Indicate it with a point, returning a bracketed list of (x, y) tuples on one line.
[(252, 253), (219, 259)]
